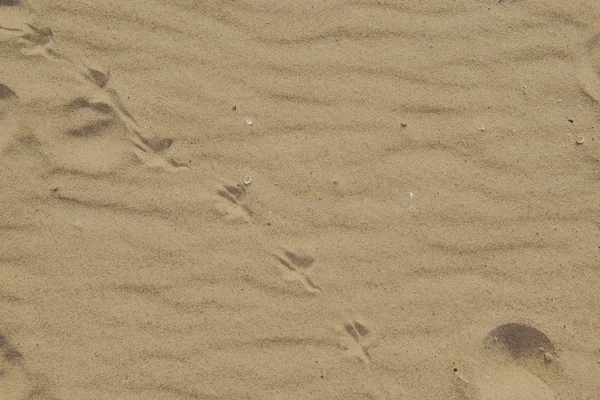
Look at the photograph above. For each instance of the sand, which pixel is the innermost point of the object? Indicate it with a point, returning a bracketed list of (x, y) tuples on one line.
[(420, 218)]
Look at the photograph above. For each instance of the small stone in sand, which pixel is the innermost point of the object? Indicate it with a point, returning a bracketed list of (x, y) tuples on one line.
[(249, 121), (580, 140), (247, 180)]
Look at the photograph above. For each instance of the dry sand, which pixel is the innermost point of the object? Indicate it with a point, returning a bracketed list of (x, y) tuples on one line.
[(421, 221)]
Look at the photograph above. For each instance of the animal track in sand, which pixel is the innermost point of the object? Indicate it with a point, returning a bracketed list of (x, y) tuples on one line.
[(356, 342), (298, 267), (77, 121), (232, 203), (15, 381)]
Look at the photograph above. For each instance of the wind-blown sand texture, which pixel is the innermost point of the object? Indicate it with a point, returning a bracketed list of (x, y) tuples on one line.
[(422, 222)]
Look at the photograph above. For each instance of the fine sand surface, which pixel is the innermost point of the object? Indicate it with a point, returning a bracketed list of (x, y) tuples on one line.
[(422, 221)]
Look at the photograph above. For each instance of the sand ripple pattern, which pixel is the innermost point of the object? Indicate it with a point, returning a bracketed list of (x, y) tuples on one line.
[(421, 223)]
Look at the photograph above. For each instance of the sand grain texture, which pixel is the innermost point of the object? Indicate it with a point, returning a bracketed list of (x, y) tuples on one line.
[(422, 222)]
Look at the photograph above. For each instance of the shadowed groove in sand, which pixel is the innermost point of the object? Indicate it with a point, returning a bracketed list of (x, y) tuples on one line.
[(82, 102), (9, 298), (412, 8), (139, 289), (232, 193), (9, 351), (356, 346), (92, 129), (275, 290), (488, 248), (157, 25), (234, 207), (171, 389), (121, 207), (278, 342), (6, 93), (298, 267)]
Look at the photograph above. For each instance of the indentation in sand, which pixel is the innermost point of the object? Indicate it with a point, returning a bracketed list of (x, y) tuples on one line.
[(298, 267), (516, 361), (76, 119)]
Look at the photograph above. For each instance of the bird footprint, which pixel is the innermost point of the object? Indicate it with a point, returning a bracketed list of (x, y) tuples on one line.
[(234, 208), (297, 267), (356, 341)]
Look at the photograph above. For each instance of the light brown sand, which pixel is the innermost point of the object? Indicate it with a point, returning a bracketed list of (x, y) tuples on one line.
[(135, 264)]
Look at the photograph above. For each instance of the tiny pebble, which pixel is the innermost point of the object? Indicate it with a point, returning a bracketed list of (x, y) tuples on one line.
[(411, 195), (249, 121), (548, 357), (403, 124), (247, 180), (580, 140)]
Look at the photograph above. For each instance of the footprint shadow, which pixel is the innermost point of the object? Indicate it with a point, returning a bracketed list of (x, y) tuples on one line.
[(232, 205), (355, 341), (514, 361), (298, 267), (522, 342)]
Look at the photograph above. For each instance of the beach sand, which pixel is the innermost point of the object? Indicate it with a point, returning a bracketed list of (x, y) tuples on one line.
[(252, 199)]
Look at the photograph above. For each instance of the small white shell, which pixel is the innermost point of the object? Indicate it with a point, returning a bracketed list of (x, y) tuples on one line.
[(247, 180), (249, 121)]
